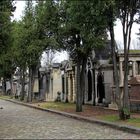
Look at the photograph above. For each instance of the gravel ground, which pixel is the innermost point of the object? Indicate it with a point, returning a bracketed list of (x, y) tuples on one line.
[(20, 122)]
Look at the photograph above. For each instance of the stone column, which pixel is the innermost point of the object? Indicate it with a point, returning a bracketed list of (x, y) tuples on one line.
[(121, 73), (52, 96), (96, 98), (74, 91), (69, 88), (134, 68), (65, 86)]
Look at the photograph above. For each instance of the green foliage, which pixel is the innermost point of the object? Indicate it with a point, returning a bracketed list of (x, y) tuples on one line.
[(6, 63), (82, 27), (83, 19), (26, 45), (46, 14), (34, 33), (18, 47), (126, 111), (30, 39)]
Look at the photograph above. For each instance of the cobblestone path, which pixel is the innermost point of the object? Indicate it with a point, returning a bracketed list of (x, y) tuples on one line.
[(20, 122)]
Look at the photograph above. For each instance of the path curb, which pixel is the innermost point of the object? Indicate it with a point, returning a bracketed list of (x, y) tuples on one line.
[(126, 128)]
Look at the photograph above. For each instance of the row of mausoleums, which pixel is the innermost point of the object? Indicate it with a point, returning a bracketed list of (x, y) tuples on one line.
[(59, 81)]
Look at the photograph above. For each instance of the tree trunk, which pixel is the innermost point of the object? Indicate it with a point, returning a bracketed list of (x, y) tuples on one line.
[(78, 91), (11, 82), (30, 86), (22, 80), (41, 91), (94, 96), (82, 83), (126, 104), (4, 86), (33, 80), (115, 70)]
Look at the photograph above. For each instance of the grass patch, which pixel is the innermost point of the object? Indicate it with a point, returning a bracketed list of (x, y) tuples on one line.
[(57, 105), (134, 51), (5, 97), (114, 118), (110, 118), (134, 122)]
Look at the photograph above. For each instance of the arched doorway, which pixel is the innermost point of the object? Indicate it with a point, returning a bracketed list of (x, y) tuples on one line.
[(100, 87), (89, 86), (63, 87)]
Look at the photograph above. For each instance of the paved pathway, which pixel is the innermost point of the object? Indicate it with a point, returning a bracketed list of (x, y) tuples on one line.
[(20, 122)]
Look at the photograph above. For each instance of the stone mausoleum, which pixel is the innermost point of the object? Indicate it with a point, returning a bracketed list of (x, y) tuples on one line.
[(98, 79), (61, 78)]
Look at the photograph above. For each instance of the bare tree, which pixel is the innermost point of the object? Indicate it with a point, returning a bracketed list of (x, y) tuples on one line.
[(127, 11), (48, 58)]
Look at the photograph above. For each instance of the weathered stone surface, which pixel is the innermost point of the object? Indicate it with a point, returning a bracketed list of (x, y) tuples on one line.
[(20, 122), (135, 93)]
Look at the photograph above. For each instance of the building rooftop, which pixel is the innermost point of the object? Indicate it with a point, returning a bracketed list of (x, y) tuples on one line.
[(130, 52), (55, 65)]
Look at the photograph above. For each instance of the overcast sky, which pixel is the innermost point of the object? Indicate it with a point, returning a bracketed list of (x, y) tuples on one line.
[(119, 35), (20, 5), (118, 28)]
